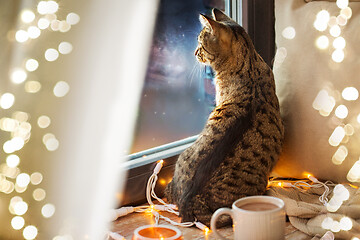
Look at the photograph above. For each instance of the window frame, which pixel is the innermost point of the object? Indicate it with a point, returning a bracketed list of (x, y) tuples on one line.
[(258, 18)]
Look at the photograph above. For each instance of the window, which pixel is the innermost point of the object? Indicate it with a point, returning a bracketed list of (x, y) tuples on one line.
[(178, 93)]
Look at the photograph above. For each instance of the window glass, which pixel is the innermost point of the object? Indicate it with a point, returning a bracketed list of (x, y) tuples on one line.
[(179, 92)]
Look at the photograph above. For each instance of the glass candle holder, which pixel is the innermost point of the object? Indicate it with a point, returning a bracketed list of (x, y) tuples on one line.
[(160, 232)]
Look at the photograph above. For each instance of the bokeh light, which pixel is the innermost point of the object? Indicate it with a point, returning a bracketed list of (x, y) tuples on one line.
[(31, 65), (350, 94), (12, 160), (43, 121), (72, 18), (341, 111), (27, 16), (51, 54), (23, 179), (32, 86), (335, 31), (65, 48), (33, 32), (289, 33), (30, 232), (339, 43), (17, 222), (337, 136), (48, 210), (342, 3), (322, 42), (39, 194), (338, 55), (354, 173), (7, 100), (36, 178), (43, 23), (61, 89), (20, 208), (18, 75)]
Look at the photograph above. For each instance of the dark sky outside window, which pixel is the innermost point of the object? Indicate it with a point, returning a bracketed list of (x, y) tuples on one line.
[(179, 92)]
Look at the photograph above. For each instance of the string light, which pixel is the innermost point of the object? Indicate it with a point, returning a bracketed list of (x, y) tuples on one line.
[(340, 155), (154, 209)]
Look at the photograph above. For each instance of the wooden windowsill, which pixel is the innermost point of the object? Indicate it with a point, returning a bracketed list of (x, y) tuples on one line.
[(127, 224)]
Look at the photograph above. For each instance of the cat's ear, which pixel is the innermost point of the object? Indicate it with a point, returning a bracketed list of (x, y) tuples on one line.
[(209, 22), (220, 16)]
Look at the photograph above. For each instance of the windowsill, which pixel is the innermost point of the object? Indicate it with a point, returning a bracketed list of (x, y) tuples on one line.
[(126, 226)]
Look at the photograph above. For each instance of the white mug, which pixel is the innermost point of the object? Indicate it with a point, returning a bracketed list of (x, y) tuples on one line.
[(255, 218)]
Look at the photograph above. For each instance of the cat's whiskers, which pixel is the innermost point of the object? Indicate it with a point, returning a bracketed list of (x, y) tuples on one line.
[(196, 72)]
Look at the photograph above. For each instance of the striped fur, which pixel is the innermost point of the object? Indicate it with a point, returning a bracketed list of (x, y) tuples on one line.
[(242, 138)]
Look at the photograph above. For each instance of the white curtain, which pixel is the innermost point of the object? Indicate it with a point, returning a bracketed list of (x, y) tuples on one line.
[(93, 123)]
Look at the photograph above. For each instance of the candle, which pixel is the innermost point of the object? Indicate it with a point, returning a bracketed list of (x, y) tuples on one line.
[(159, 232)]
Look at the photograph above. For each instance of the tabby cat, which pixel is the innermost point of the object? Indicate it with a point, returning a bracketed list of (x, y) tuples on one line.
[(242, 139)]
